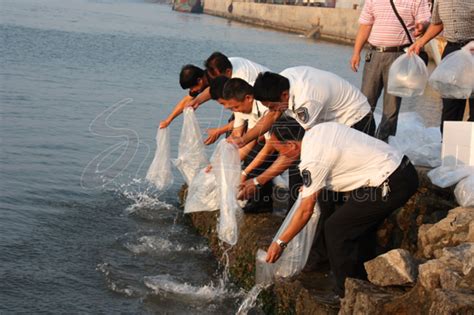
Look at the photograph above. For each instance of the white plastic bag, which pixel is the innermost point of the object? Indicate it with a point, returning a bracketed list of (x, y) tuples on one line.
[(202, 193), (295, 255), (226, 167), (159, 172), (454, 77), (191, 154), (407, 76), (464, 192), (445, 176), (422, 145)]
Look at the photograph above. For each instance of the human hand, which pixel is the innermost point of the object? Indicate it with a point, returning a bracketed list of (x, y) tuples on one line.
[(212, 136), (208, 168), (247, 189), (164, 123), (274, 252), (238, 141), (415, 48), (355, 61)]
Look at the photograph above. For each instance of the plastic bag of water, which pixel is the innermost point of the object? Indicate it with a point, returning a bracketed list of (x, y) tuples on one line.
[(445, 176), (454, 77), (464, 192), (191, 154), (159, 172), (294, 257), (226, 167), (407, 76), (202, 193)]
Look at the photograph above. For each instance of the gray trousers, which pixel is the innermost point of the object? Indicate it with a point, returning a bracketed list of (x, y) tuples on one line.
[(374, 80)]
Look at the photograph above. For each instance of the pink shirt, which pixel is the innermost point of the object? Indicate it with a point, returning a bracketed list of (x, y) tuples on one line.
[(386, 28)]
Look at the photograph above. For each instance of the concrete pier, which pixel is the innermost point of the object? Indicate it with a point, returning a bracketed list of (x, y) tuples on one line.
[(337, 24)]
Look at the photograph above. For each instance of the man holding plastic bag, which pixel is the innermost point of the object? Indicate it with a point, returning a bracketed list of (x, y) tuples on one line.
[(456, 20), (383, 30), (195, 80), (335, 156)]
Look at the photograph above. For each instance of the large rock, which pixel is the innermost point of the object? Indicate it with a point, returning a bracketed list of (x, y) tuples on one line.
[(451, 302), (363, 297), (452, 270), (453, 230), (397, 267)]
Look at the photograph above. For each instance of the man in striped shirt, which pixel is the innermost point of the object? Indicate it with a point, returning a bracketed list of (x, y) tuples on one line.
[(456, 19), (380, 27)]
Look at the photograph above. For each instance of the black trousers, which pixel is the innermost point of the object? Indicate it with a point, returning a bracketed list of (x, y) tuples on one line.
[(350, 230), (453, 109)]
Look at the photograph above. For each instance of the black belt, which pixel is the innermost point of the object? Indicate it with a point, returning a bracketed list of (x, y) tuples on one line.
[(389, 49), (459, 44)]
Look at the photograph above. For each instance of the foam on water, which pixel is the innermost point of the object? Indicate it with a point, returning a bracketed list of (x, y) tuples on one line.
[(119, 282), (166, 284), (251, 299), (157, 244)]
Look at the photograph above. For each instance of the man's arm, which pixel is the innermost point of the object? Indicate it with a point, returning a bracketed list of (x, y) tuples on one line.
[(244, 151), (214, 133), (298, 222), (281, 164), (432, 31), (203, 97), (262, 126), (178, 109), (361, 38), (260, 158)]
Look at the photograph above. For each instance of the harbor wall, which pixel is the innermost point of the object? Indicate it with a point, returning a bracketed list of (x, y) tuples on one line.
[(338, 24)]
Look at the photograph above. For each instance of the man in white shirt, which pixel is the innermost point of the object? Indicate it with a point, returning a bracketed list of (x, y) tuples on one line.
[(377, 178), (311, 96), (237, 95), (234, 67)]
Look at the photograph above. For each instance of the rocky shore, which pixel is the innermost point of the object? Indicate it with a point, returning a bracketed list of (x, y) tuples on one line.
[(429, 270)]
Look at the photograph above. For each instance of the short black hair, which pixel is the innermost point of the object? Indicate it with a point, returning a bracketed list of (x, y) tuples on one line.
[(269, 86), (287, 129), (217, 64), (189, 75), (216, 87), (237, 89)]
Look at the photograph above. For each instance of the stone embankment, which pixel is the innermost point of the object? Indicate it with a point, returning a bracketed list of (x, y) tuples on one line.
[(430, 269), (327, 23)]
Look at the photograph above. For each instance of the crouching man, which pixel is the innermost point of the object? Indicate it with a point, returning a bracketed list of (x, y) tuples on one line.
[(377, 179)]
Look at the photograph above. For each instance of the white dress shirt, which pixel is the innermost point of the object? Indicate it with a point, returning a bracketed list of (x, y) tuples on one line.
[(340, 158), (318, 96)]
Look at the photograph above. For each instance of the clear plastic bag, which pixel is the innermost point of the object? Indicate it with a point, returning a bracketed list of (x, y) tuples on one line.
[(191, 154), (226, 167), (422, 145), (202, 193), (464, 192), (407, 76), (446, 176), (159, 173), (295, 255), (454, 77)]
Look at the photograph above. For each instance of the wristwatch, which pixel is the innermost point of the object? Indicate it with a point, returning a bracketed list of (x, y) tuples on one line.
[(281, 243), (257, 184)]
